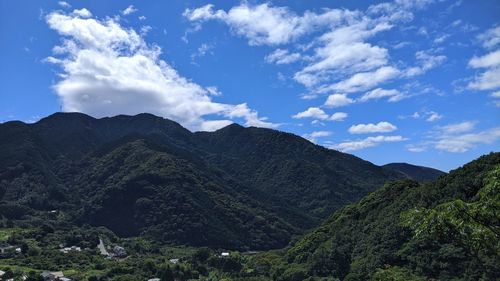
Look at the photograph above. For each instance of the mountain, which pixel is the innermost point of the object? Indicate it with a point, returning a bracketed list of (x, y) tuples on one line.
[(418, 173), (445, 230), (242, 188)]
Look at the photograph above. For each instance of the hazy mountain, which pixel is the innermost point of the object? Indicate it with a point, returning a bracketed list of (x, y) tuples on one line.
[(418, 173)]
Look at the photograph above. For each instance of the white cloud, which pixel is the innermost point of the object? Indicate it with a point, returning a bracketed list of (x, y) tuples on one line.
[(426, 60), (338, 116), (458, 128), (381, 127), (338, 56), (366, 143), (260, 24), (490, 38), (129, 10), (312, 112), (108, 69), (364, 80), (429, 116), (64, 4), (433, 116), (440, 39), (318, 113), (495, 94), (393, 95), (457, 138), (416, 148), (83, 13), (338, 100), (202, 50), (490, 60), (313, 137), (489, 79), (280, 56)]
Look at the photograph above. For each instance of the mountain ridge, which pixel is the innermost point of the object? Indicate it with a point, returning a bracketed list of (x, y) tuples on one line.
[(287, 182)]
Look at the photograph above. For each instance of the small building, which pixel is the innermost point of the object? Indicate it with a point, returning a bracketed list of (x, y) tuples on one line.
[(7, 250), (224, 254), (119, 252), (5, 247), (174, 261), (154, 279), (70, 249), (53, 276)]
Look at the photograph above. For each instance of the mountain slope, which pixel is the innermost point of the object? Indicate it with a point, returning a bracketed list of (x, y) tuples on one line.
[(417, 173), (235, 188), (374, 238), (309, 177)]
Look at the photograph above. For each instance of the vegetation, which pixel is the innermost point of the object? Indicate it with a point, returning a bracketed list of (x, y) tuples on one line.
[(410, 231), (175, 201), (237, 188)]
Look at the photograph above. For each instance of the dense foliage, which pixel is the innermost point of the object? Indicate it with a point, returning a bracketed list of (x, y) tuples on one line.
[(238, 188), (410, 231)]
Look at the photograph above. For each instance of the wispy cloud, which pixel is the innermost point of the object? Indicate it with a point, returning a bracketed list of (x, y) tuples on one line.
[(129, 10), (366, 143), (489, 79)]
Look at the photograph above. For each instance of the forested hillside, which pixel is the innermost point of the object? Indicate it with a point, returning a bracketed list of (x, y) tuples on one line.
[(446, 230), (237, 188)]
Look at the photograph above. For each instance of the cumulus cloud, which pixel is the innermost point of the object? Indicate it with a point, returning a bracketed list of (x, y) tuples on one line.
[(275, 25), (338, 116), (312, 112), (364, 80), (107, 69), (381, 127), (83, 13), (64, 4), (129, 10), (338, 57), (338, 100), (366, 143), (319, 114), (490, 60), (313, 137)]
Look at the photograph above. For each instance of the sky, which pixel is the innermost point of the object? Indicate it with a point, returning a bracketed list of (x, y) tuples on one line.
[(388, 81)]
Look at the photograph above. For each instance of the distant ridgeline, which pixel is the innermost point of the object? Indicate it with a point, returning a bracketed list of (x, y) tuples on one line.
[(236, 188)]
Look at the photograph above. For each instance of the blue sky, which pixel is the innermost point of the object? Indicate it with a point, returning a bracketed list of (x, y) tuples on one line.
[(397, 81)]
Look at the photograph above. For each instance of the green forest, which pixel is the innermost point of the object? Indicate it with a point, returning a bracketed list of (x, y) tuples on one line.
[(140, 197)]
